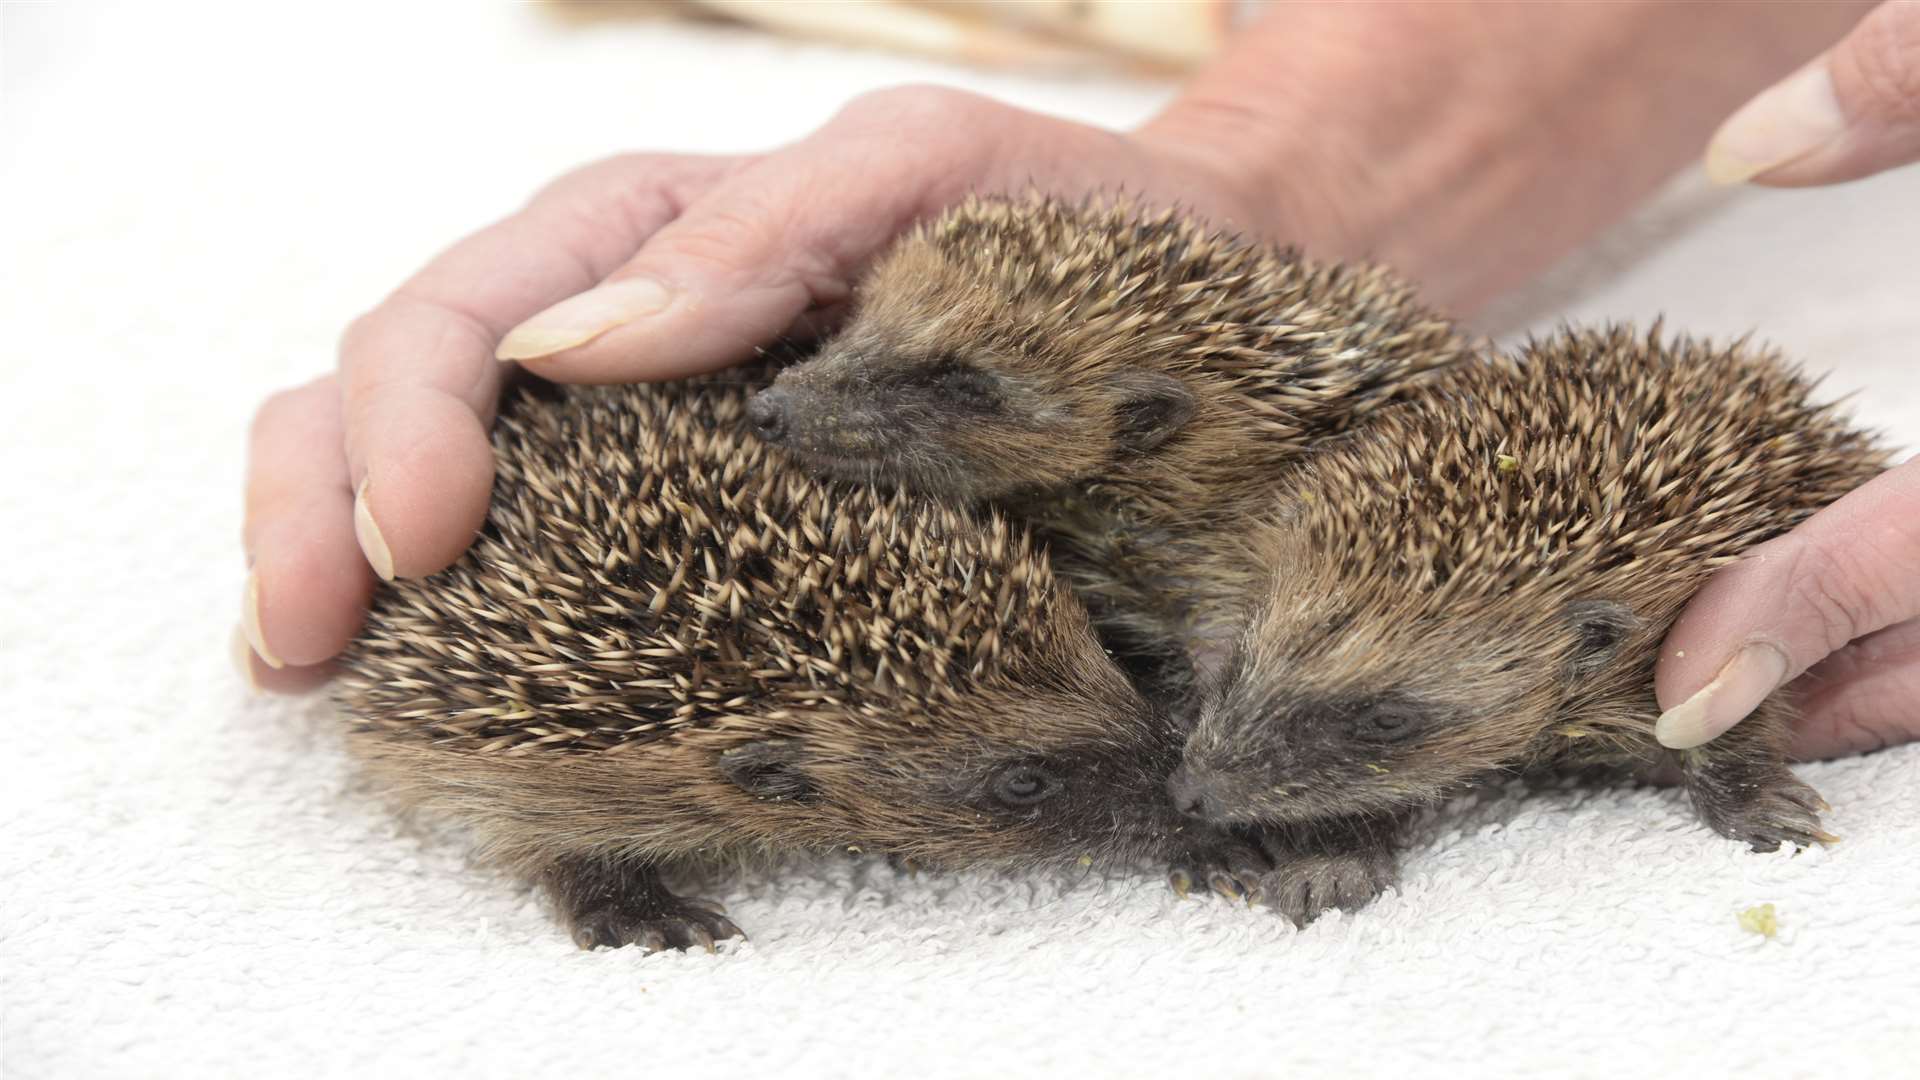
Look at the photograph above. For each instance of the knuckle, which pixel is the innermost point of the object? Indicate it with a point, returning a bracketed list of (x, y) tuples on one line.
[(724, 236), (759, 240), (1883, 58), (594, 178), (363, 346), (1836, 591), (937, 108), (412, 338), (289, 406), (637, 192), (1857, 564), (364, 328), (275, 410)]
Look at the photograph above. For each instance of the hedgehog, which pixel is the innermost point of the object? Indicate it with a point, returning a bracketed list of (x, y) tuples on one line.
[(1478, 584), (670, 645), (1131, 382)]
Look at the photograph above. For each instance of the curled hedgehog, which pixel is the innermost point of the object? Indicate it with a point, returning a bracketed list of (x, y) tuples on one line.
[(1129, 381), (669, 644), (1479, 583)]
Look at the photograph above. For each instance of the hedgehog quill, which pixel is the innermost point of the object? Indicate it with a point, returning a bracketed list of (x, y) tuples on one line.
[(670, 645)]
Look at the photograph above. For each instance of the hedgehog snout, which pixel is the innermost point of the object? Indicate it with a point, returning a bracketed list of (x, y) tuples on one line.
[(767, 413), (1197, 794)]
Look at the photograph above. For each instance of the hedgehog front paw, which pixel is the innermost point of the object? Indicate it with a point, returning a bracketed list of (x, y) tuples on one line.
[(1765, 812), (1320, 866), (676, 923), (1228, 867), (614, 902), (1304, 886)]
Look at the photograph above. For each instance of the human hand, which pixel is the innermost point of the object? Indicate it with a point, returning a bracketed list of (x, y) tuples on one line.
[(1837, 598), (641, 267), (1851, 112)]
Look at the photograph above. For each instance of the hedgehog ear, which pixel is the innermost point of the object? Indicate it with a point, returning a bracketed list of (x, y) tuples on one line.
[(768, 770), (1152, 408), (1600, 628)]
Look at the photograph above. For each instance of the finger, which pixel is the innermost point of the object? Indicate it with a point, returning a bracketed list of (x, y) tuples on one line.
[(1850, 570), (418, 373), (308, 587), (785, 235), (283, 680), (1851, 113), (417, 449), (1863, 697)]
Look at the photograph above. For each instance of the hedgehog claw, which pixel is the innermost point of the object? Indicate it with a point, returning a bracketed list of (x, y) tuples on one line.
[(1181, 881), (723, 928), (1229, 868), (701, 936), (1225, 884), (656, 931), (662, 922), (1256, 891)]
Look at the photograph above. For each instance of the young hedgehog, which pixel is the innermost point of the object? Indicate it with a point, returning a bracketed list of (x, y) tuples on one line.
[(1130, 382), (669, 643), (1480, 582)]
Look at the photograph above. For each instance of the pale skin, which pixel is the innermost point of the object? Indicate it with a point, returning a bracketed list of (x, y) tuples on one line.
[(1512, 133)]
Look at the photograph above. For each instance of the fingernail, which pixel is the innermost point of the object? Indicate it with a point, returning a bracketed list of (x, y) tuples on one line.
[(242, 653), (1788, 120), (1752, 674), (372, 544), (579, 319), (250, 622)]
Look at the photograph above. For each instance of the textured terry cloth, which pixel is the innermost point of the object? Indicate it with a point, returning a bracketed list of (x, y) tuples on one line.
[(197, 201)]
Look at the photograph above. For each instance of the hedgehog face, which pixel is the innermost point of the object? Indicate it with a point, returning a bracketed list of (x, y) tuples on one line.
[(1008, 779), (949, 383), (1325, 711)]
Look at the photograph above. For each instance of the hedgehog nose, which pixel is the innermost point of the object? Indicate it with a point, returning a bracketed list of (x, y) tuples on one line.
[(1192, 796), (767, 412)]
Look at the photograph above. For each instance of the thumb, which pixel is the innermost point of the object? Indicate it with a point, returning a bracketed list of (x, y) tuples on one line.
[(1848, 571), (1852, 112), (784, 235)]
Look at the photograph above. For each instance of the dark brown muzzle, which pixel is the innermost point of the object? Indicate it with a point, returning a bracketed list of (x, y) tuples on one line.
[(767, 414), (1197, 794)]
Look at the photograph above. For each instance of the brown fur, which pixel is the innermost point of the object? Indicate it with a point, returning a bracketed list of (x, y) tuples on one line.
[(1480, 582), (1131, 381), (671, 643)]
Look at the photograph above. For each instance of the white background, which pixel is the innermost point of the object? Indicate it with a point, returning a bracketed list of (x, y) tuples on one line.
[(198, 198)]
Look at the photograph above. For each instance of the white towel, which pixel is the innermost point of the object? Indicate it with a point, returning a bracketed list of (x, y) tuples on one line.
[(198, 200)]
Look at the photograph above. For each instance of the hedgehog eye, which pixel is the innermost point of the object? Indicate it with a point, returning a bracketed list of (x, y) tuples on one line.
[(768, 770), (1024, 784), (962, 386), (1388, 721)]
